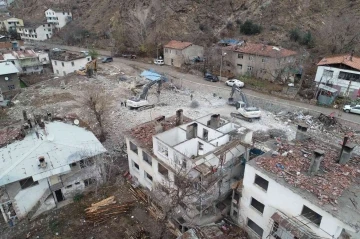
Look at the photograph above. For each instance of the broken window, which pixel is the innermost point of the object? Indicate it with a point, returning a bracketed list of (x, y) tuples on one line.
[(240, 56), (162, 170), (62, 63), (86, 163), (205, 134), (133, 147), (255, 227), (146, 158), (148, 176), (257, 205), (240, 66), (136, 165), (162, 149), (349, 76), (311, 215), (27, 182), (274, 230), (72, 63), (89, 181), (68, 186), (328, 73), (261, 182)]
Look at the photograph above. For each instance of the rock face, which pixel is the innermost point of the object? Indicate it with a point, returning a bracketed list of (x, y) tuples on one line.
[(140, 23)]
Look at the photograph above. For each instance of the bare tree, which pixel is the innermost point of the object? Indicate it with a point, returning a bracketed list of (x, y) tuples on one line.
[(95, 100)]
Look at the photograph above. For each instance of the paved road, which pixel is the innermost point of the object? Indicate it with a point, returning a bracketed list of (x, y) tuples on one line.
[(199, 80)]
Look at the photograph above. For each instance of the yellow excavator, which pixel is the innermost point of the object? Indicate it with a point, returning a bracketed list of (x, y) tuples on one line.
[(89, 69)]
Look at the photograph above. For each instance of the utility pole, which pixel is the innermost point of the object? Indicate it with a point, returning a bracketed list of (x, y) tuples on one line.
[(221, 62)]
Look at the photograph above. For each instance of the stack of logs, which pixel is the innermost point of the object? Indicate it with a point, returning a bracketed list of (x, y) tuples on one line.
[(99, 212), (138, 194)]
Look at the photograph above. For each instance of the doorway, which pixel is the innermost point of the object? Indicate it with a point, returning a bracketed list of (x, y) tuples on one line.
[(172, 62), (59, 196)]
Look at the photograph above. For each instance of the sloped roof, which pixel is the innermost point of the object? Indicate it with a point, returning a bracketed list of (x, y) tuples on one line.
[(342, 59), (262, 50), (7, 68), (60, 144), (22, 54), (179, 45)]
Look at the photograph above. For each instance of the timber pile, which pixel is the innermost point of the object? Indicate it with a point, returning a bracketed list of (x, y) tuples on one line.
[(155, 211), (99, 212), (139, 195)]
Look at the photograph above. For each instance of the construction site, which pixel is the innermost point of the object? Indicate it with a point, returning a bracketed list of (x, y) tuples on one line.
[(128, 97)]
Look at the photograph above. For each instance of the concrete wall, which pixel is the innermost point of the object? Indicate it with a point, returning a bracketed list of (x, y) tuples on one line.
[(262, 67), (340, 84), (62, 68), (7, 85), (283, 199), (11, 23), (39, 33), (174, 57), (43, 57), (62, 18), (173, 137), (27, 198)]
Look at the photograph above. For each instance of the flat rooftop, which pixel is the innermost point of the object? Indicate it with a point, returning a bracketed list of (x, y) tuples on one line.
[(66, 55), (335, 188)]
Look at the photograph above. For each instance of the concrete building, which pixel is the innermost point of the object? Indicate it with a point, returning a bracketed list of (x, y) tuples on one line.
[(301, 191), (67, 62), (48, 164), (342, 73), (166, 153), (9, 79), (11, 23), (26, 61), (43, 57), (36, 31), (259, 60), (177, 53), (59, 18)]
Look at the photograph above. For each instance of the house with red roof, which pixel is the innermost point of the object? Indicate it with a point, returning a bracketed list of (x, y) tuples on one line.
[(341, 72), (176, 53), (258, 60)]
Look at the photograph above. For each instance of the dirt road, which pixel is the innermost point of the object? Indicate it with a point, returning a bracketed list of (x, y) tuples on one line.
[(191, 79)]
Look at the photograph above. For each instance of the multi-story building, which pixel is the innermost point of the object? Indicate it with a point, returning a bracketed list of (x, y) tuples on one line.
[(65, 62), (259, 60), (36, 31), (9, 79), (59, 18), (26, 61), (340, 72), (49, 163), (177, 53), (208, 153), (11, 23), (301, 189)]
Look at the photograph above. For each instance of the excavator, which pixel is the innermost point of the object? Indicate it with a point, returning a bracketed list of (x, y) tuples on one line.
[(89, 69), (244, 111), (140, 101)]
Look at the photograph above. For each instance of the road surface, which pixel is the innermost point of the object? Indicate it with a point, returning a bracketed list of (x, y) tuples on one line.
[(170, 71)]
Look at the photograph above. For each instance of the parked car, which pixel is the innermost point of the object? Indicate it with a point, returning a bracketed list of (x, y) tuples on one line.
[(159, 62), (86, 53), (236, 82), (131, 56), (352, 109), (57, 49), (211, 77), (107, 59)]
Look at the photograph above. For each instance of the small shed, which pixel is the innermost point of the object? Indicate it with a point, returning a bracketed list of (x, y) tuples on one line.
[(326, 95), (152, 75)]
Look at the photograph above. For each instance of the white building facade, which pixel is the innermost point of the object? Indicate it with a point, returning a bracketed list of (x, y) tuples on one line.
[(36, 32), (63, 66), (340, 73), (58, 18)]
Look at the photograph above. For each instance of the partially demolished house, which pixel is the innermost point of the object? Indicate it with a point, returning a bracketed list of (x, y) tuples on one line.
[(201, 157), (45, 164), (303, 189)]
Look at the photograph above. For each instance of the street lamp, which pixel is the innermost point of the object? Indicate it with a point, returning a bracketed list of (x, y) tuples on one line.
[(221, 62)]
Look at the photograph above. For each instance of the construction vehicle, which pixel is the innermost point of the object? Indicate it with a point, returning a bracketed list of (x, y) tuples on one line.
[(140, 101), (89, 69), (244, 111)]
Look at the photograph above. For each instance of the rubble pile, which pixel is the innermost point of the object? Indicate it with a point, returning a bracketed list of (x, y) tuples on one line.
[(292, 162)]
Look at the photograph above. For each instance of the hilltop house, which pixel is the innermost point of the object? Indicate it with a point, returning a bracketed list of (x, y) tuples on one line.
[(49, 163), (11, 23), (59, 18), (35, 31), (9, 79), (66, 62), (300, 189), (340, 72), (259, 60), (166, 153), (177, 53)]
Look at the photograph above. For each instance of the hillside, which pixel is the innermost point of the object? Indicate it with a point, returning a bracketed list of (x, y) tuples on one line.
[(139, 25)]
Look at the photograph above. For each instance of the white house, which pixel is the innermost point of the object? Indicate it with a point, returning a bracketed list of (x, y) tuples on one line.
[(35, 31), (43, 57), (48, 163), (340, 72), (26, 61), (301, 192), (67, 62), (58, 17), (204, 151)]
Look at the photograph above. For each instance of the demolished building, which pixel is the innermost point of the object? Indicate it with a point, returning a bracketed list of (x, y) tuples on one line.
[(203, 157), (44, 165), (302, 189)]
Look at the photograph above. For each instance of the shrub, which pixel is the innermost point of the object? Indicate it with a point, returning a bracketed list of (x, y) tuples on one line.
[(295, 35), (78, 197), (229, 25), (307, 39), (238, 22), (250, 28), (303, 38)]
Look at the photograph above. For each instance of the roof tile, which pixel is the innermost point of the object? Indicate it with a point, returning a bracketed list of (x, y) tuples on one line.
[(179, 45), (342, 59), (262, 50)]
